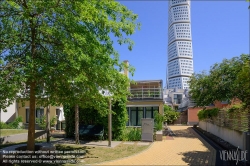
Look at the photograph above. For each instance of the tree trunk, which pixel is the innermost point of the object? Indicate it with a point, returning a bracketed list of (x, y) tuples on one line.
[(110, 123), (31, 132), (48, 123), (77, 124)]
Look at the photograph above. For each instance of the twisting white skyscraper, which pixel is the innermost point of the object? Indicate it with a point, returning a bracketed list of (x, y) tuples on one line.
[(180, 54)]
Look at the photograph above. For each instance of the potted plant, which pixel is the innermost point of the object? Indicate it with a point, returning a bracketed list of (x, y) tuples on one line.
[(158, 125)]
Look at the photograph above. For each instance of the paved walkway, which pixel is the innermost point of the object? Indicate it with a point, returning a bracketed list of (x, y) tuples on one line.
[(185, 148)]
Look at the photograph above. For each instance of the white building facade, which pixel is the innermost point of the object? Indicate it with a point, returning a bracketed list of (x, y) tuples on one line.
[(180, 52)]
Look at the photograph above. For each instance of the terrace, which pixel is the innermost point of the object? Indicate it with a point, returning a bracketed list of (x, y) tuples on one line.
[(146, 90)]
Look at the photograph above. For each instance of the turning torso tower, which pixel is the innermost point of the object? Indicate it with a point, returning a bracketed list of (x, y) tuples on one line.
[(180, 54)]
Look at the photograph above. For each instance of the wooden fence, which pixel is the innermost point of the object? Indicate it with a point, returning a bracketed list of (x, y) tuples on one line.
[(238, 120)]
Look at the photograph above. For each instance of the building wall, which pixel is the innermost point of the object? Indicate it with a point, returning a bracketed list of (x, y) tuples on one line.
[(192, 115), (234, 137), (10, 115), (22, 110)]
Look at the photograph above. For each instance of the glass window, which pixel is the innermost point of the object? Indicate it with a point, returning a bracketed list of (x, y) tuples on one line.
[(128, 116), (140, 115), (39, 112), (149, 112), (155, 109), (133, 116)]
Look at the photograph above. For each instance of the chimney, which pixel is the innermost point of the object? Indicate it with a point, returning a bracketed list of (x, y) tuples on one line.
[(126, 68)]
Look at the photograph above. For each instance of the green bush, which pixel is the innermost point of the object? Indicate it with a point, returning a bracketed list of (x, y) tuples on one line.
[(12, 125), (15, 123), (208, 113), (170, 115), (42, 122), (91, 116), (3, 125), (131, 134), (158, 118), (235, 108)]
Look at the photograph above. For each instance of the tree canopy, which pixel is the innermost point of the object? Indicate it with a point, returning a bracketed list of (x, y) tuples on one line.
[(225, 81), (62, 50)]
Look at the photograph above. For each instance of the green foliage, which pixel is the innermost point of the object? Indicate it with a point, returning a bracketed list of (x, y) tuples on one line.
[(53, 121), (42, 122), (64, 49), (158, 118), (235, 108), (243, 82), (12, 125), (4, 125), (170, 115), (225, 81), (208, 113), (131, 134), (90, 116), (15, 123)]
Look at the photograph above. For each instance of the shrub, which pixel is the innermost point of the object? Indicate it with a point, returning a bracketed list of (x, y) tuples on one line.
[(12, 125), (234, 108), (131, 134), (170, 115), (42, 122), (208, 113), (158, 121), (15, 123), (3, 125)]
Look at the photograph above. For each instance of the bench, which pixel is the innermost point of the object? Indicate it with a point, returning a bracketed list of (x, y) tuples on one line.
[(91, 131)]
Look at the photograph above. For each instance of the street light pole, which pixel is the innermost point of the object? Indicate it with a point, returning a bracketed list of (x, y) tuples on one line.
[(106, 93), (110, 122)]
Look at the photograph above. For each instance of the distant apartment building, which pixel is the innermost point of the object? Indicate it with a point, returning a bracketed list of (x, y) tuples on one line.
[(180, 54)]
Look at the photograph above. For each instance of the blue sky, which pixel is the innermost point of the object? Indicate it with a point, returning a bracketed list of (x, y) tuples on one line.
[(220, 29)]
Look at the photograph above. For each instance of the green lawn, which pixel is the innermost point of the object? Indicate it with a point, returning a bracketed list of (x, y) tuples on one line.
[(6, 132), (94, 154), (102, 154)]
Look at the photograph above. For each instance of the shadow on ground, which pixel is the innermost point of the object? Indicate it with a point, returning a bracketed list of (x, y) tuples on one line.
[(197, 158)]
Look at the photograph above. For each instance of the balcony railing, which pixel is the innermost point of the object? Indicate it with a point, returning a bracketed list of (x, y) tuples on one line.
[(146, 93)]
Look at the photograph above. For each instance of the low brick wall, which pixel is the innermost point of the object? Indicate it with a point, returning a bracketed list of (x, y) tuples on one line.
[(235, 138), (22, 137)]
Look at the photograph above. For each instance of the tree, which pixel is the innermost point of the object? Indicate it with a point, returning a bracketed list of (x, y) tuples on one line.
[(57, 48), (243, 80), (225, 81)]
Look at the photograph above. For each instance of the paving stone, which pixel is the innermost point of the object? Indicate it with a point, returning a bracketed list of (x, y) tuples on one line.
[(129, 143), (186, 148), (143, 143)]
